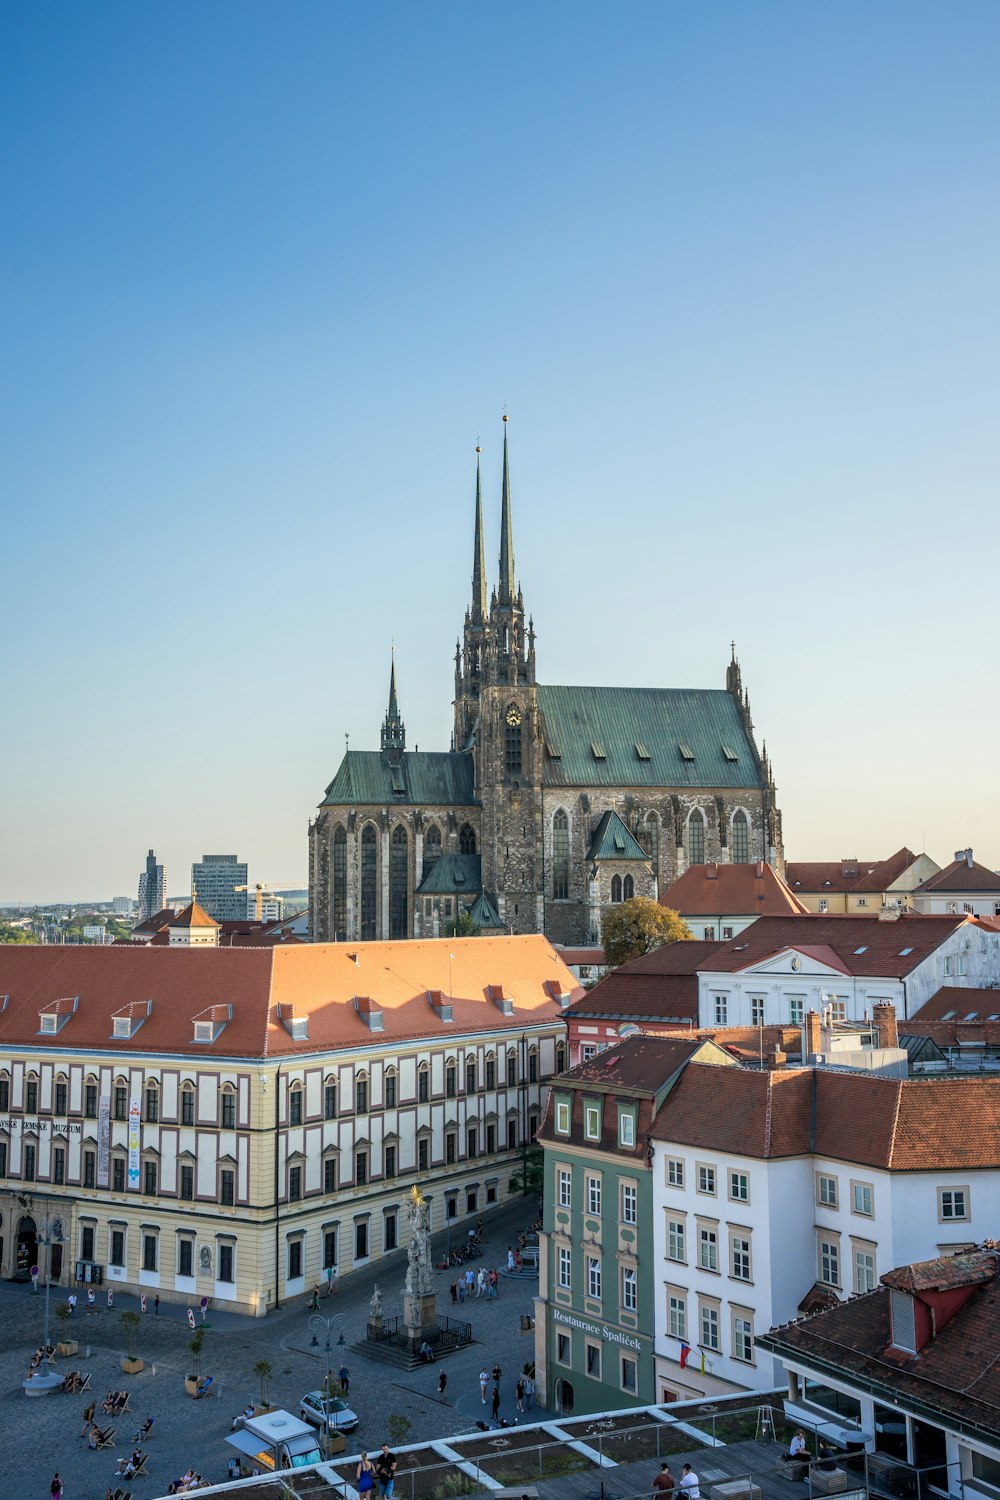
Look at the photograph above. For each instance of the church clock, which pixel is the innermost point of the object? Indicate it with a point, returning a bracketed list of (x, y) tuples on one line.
[(513, 716)]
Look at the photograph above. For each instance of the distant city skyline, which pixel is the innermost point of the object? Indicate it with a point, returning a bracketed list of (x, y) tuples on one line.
[(732, 272)]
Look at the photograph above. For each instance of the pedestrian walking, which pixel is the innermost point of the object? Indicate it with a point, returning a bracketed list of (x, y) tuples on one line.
[(344, 1376), (453, 1289), (496, 1402), (91, 1300), (470, 1281), (510, 1259), (156, 1305), (71, 1303), (484, 1380), (461, 1289), (519, 1393), (55, 1488), (88, 1417), (529, 1392), (481, 1281), (385, 1468), (442, 1384), (497, 1372), (365, 1474)]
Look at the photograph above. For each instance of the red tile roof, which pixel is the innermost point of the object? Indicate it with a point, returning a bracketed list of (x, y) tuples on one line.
[(885, 873), (640, 1063), (943, 1273), (193, 915), (960, 876), (155, 922), (957, 1373), (317, 981), (882, 943), (661, 986), (733, 890), (819, 877), (898, 1124), (954, 1003)]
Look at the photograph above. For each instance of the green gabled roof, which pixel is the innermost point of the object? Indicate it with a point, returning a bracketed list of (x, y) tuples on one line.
[(423, 778), (597, 736), (612, 840), (450, 873), (484, 913)]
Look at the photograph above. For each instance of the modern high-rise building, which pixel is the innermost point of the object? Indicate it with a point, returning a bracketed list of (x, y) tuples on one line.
[(122, 906), (152, 888), (215, 881)]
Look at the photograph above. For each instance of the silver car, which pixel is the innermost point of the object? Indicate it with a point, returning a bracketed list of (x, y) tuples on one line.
[(328, 1410)]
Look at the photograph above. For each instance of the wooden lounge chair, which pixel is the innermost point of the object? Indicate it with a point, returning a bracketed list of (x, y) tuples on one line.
[(105, 1438)]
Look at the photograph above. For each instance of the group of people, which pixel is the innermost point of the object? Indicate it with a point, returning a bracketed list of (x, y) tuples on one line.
[(115, 1402), (524, 1390), (685, 1488), (188, 1482), (475, 1284), (128, 1468), (798, 1453), (381, 1472)]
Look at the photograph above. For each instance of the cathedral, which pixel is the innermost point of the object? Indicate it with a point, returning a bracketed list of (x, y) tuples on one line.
[(552, 804)]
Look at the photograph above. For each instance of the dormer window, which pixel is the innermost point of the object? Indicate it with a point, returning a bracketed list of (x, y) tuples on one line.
[(126, 1022), (55, 1016), (209, 1024), (903, 1320), (296, 1026)]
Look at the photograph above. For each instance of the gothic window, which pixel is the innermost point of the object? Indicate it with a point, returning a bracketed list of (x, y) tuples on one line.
[(741, 839), (432, 848), (340, 884), (628, 888), (369, 882), (696, 838), (651, 841), (512, 740), (467, 839), (398, 903), (560, 856), (616, 888)]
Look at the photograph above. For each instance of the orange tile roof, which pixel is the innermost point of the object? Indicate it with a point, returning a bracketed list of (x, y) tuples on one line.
[(193, 915), (315, 981), (733, 890)]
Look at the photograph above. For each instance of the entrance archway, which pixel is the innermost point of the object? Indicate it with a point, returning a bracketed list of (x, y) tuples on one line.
[(564, 1397), (27, 1248)]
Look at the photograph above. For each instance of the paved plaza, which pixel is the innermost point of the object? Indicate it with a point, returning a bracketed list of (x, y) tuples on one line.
[(42, 1434)]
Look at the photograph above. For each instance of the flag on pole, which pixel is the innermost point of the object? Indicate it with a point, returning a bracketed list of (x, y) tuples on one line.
[(703, 1361), (685, 1353)]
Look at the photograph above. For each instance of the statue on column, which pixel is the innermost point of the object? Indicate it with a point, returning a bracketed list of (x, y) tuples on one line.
[(419, 1266)]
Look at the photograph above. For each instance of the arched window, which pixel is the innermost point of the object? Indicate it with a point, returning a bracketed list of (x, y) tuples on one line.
[(560, 856), (741, 838), (512, 740), (651, 842), (187, 1104), (228, 1099), (390, 1088), (467, 839), (628, 888), (561, 1057), (616, 888), (340, 884), (696, 838), (398, 903), (152, 1103), (432, 848), (295, 1104), (369, 883)]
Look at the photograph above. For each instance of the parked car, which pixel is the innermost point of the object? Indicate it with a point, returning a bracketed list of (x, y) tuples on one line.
[(336, 1414)]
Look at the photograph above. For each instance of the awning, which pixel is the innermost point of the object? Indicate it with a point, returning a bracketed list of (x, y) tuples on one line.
[(251, 1446)]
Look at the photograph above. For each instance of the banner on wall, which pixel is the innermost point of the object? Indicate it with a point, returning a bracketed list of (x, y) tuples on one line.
[(103, 1140), (134, 1113)]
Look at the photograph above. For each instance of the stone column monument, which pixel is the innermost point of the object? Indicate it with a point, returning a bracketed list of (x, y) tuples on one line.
[(419, 1297)]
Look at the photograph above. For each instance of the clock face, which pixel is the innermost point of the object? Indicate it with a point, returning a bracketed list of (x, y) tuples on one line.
[(513, 716)]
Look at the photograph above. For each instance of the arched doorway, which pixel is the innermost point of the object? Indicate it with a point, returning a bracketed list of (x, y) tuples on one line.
[(27, 1248), (564, 1397)]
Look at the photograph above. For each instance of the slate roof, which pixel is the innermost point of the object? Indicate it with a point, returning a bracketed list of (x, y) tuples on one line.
[(452, 872), (317, 981), (629, 724), (890, 949), (424, 778), (956, 1374), (612, 840), (734, 890), (484, 913)]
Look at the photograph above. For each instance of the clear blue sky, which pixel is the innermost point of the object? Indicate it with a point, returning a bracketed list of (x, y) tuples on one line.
[(266, 272)]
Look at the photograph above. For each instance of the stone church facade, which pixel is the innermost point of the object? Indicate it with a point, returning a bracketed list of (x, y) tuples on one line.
[(552, 804)]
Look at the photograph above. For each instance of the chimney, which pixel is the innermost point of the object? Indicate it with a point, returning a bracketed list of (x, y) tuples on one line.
[(711, 871), (884, 1017), (963, 856), (777, 1059), (760, 869), (812, 1036)]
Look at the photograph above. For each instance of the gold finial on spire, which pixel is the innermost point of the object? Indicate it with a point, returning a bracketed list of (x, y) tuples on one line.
[(416, 1196)]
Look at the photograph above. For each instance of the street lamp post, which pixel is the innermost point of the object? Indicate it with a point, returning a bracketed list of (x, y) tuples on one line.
[(316, 1323), (44, 1379)]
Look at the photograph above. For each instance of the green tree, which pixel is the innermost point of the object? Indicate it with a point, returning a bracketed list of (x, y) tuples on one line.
[(398, 1426), (464, 927), (195, 1346), (262, 1370), (638, 926), (530, 1176), (130, 1324), (11, 934)]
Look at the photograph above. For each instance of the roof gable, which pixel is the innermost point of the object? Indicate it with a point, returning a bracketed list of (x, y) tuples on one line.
[(452, 873), (801, 959), (612, 840), (732, 890)]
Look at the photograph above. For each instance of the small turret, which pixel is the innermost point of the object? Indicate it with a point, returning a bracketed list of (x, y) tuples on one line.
[(393, 729)]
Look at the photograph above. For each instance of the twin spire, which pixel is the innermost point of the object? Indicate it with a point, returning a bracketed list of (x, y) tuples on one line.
[(506, 592)]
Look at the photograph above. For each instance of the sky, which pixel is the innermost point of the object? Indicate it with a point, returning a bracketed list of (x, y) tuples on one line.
[(268, 273)]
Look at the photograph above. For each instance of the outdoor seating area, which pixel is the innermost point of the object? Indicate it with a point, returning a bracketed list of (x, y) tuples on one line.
[(74, 1382), (133, 1467), (115, 1403)]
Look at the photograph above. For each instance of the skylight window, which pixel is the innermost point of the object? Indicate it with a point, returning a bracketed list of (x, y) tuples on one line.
[(949, 1015), (641, 751), (686, 752), (903, 952), (729, 753), (972, 1015), (597, 750), (862, 949), (994, 1017)]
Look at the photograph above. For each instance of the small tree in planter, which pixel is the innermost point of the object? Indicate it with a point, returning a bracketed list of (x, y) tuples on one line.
[(131, 1364), (67, 1346), (399, 1428), (262, 1370), (195, 1347)]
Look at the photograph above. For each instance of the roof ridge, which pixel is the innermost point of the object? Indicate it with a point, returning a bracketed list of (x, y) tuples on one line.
[(895, 1123), (768, 1114)]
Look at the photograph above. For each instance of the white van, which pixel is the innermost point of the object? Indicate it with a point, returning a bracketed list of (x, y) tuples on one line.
[(275, 1440)]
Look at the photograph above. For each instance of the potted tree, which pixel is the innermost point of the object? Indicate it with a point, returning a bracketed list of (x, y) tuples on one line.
[(195, 1347), (131, 1363), (262, 1370), (67, 1346)]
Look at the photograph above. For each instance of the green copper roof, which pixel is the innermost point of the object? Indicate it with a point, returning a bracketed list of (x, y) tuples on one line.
[(484, 913), (645, 737), (452, 873), (423, 778), (612, 840)]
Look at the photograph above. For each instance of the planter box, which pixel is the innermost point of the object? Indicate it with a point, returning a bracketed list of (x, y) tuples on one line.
[(67, 1347), (132, 1366), (337, 1442), (191, 1385)]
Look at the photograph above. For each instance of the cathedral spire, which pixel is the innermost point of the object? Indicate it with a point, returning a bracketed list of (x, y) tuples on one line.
[(506, 591), (478, 554), (393, 730)]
